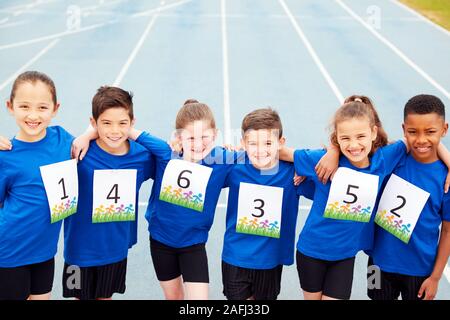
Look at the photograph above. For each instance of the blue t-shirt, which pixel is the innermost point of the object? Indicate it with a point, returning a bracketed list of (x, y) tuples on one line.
[(90, 244), (174, 225), (26, 234), (332, 239), (416, 258), (255, 251)]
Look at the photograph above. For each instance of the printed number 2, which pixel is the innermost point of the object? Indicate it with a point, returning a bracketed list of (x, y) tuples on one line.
[(260, 208), (116, 197), (393, 211), (61, 182), (355, 198)]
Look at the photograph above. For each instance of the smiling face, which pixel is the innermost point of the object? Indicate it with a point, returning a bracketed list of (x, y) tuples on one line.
[(33, 108), (197, 140), (113, 127), (355, 137), (423, 133), (262, 147)]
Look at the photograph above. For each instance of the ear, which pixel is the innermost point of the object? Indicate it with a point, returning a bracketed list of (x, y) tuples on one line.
[(282, 142), (133, 122), (9, 106), (444, 132), (93, 123), (374, 133), (403, 128)]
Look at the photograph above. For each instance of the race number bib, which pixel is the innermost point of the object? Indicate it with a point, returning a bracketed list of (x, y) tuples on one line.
[(259, 210), (114, 195), (61, 185), (184, 184), (352, 195), (400, 207)]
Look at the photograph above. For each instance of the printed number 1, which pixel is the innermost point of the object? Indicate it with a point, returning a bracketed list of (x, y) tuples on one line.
[(116, 197), (61, 182)]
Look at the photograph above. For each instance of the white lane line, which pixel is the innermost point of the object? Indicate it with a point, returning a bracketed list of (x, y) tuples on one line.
[(313, 53), (162, 7), (397, 51), (88, 28), (28, 64), (421, 17), (135, 51), (226, 85), (12, 24)]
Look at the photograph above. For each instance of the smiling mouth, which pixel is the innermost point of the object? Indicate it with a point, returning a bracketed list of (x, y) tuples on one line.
[(32, 125), (355, 153), (422, 149), (114, 139)]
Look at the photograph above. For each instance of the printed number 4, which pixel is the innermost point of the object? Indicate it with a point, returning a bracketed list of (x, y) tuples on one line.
[(116, 197)]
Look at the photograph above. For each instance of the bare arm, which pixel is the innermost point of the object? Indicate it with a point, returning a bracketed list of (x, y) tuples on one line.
[(444, 155), (80, 145), (5, 144), (328, 164), (286, 154)]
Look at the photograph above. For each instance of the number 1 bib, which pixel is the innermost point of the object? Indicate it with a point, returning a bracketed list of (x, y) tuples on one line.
[(184, 184), (352, 195), (400, 207), (259, 210), (61, 185), (114, 195)]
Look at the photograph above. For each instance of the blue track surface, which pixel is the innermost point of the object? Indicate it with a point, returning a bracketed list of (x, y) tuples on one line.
[(181, 55)]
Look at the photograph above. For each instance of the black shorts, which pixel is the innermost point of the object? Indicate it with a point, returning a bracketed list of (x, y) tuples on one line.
[(189, 262), (19, 283), (333, 278), (391, 285), (90, 283), (242, 283)]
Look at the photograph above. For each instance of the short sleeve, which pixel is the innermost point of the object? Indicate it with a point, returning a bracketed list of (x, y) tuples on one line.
[(307, 189), (305, 161), (158, 147), (393, 154), (445, 208), (3, 183)]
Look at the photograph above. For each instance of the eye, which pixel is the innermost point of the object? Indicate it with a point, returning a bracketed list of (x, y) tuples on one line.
[(43, 108), (23, 106), (362, 136)]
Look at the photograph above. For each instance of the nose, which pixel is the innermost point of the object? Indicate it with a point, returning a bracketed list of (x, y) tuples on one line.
[(198, 144), (421, 139)]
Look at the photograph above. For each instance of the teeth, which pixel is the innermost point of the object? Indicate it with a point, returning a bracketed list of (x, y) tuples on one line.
[(423, 149), (114, 139), (32, 124)]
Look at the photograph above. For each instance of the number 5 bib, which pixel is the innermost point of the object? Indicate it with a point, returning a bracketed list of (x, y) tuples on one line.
[(259, 210), (400, 207), (114, 195), (61, 185), (184, 184), (352, 195)]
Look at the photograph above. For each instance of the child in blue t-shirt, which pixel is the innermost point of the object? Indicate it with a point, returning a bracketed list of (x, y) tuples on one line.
[(261, 212), (28, 239), (340, 222), (97, 239), (412, 258)]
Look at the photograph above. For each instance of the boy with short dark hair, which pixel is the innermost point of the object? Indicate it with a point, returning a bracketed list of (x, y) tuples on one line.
[(408, 248), (261, 212), (98, 237)]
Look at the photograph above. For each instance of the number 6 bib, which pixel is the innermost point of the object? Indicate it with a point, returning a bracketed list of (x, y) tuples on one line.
[(352, 195), (184, 184), (259, 210), (400, 207), (114, 195), (61, 185)]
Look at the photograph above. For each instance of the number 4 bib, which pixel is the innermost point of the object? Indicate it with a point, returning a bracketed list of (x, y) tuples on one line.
[(184, 184), (114, 195), (400, 207), (259, 210), (352, 195), (61, 185)]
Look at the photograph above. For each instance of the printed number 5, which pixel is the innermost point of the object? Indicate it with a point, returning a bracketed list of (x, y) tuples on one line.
[(260, 208), (355, 198)]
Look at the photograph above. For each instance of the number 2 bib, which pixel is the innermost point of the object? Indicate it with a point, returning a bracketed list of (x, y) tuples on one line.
[(400, 206), (184, 184), (352, 195), (259, 210), (61, 185), (114, 195)]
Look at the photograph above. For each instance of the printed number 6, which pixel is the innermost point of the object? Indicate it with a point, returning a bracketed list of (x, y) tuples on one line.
[(260, 208), (355, 198), (180, 178)]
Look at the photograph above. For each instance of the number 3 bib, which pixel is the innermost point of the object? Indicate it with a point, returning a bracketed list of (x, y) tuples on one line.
[(352, 195), (259, 210), (400, 207), (61, 185), (114, 195), (184, 184)]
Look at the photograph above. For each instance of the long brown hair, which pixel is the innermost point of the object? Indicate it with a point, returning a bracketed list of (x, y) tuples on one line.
[(357, 106), (32, 77)]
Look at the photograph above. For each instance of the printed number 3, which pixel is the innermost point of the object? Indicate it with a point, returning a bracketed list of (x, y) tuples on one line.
[(260, 208), (355, 198)]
